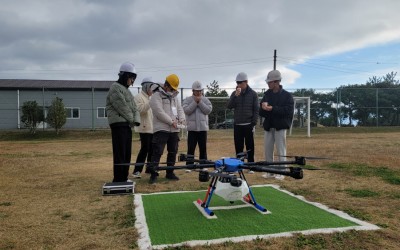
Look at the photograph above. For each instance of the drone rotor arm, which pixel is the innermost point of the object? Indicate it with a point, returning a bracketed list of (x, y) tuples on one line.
[(294, 172), (189, 166)]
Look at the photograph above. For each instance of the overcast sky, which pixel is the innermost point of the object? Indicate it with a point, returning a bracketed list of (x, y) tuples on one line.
[(320, 44)]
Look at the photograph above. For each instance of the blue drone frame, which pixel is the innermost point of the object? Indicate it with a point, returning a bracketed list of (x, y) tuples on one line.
[(224, 174)]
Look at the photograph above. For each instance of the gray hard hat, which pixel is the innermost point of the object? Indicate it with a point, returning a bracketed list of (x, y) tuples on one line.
[(274, 75)]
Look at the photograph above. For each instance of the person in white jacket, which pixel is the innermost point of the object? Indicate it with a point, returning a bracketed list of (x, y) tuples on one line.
[(197, 108), (145, 129), (167, 116)]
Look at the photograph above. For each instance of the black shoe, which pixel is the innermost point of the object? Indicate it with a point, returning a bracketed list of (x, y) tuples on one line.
[(172, 176), (153, 179)]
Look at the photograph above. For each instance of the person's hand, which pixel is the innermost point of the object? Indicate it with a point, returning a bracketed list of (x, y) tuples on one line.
[(197, 99), (175, 124), (238, 91), (266, 106)]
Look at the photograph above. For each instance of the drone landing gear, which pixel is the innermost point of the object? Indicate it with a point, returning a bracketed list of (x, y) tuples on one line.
[(248, 199)]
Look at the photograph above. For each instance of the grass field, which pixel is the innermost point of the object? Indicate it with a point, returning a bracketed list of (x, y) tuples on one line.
[(51, 188)]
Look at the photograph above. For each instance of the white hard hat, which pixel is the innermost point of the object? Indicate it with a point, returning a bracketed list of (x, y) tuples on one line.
[(127, 67), (273, 75), (147, 79), (241, 77), (197, 86)]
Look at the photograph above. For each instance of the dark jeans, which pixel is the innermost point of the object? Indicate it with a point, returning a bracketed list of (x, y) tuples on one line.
[(145, 151), (160, 139), (194, 138), (244, 134), (122, 150)]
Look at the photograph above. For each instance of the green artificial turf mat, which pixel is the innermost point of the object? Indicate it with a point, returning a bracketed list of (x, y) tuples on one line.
[(172, 218)]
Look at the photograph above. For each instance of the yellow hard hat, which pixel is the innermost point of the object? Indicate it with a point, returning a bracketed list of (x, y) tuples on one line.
[(173, 81)]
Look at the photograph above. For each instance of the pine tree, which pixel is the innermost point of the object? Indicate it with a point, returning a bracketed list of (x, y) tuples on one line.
[(219, 105)]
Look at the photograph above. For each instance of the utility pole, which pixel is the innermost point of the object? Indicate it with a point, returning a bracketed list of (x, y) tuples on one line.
[(275, 59)]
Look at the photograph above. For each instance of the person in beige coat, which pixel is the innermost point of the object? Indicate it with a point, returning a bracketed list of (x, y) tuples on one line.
[(168, 115), (145, 129)]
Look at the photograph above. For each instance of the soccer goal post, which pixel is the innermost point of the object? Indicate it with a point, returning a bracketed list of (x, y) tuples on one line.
[(301, 114)]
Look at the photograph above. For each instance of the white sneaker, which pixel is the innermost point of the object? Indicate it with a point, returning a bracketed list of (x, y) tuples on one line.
[(188, 171), (268, 176), (136, 175), (279, 177), (129, 180), (251, 172)]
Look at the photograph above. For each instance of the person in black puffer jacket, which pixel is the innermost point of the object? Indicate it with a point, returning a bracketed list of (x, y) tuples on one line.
[(244, 101), (277, 107)]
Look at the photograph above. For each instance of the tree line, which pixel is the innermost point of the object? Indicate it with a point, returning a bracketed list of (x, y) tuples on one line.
[(375, 103)]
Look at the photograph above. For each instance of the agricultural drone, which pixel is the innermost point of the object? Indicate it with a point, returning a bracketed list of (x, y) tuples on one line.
[(228, 181)]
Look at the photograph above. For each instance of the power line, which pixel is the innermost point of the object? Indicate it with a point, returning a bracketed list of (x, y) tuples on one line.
[(285, 59)]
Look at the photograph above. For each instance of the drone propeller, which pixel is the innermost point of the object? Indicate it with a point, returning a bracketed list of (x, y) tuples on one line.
[(181, 157), (306, 157), (294, 172), (281, 167), (189, 166)]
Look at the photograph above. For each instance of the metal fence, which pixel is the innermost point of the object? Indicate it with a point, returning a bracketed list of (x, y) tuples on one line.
[(329, 107)]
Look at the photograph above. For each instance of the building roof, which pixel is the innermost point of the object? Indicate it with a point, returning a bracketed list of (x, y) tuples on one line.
[(53, 84)]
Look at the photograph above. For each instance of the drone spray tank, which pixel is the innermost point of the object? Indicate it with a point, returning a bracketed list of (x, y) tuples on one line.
[(233, 189)]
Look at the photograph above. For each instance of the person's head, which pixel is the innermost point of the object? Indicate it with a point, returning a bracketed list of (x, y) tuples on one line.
[(241, 80), (147, 83), (273, 80), (197, 88), (171, 83), (127, 74)]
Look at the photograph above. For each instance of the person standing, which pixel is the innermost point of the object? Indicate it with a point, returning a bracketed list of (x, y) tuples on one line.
[(277, 107), (122, 115), (244, 101), (167, 116), (145, 129), (197, 108)]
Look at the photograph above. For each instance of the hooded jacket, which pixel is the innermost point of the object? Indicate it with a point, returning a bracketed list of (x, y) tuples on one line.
[(146, 115), (162, 105)]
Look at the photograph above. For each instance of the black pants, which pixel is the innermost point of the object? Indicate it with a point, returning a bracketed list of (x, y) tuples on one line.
[(244, 134), (160, 139), (194, 138), (145, 151), (122, 150)]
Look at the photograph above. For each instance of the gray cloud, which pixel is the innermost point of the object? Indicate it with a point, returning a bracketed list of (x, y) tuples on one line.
[(197, 40)]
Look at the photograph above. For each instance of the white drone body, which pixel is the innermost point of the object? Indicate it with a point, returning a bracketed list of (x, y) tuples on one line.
[(231, 193)]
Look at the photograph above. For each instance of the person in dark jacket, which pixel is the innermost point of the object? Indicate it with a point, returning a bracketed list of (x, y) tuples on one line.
[(277, 107), (244, 101), (122, 115)]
